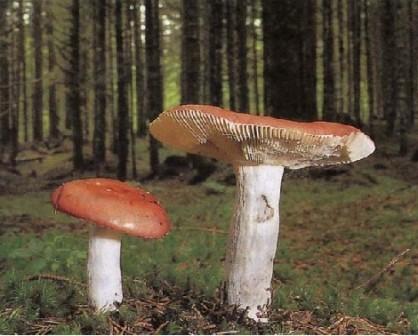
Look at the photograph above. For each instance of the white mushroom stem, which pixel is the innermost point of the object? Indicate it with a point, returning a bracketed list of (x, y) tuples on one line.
[(253, 238), (103, 269)]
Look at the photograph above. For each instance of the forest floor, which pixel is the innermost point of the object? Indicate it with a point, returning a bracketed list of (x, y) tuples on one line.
[(347, 259)]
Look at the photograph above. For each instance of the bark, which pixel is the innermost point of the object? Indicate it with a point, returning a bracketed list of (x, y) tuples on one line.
[(139, 74), (204, 50), (413, 66), (285, 56), (254, 40), (14, 98), (37, 96), (129, 58), (74, 100), (388, 36), (329, 107), (308, 110), (215, 52), (154, 84), (4, 79), (339, 55), (402, 59), (190, 53), (52, 60), (349, 64), (83, 85), (242, 71), (231, 51), (111, 65), (123, 114), (100, 75), (191, 64), (356, 29), (22, 59), (370, 74)]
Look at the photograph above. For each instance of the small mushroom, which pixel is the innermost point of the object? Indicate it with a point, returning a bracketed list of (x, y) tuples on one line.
[(259, 148), (114, 208)]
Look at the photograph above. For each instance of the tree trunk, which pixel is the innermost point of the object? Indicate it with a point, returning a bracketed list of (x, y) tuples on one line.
[(154, 84), (285, 51), (370, 74), (83, 86), (231, 56), (413, 71), (329, 64), (74, 87), (356, 29), (129, 58), (402, 59), (308, 110), (139, 74), (242, 80), (204, 50), (190, 54), (14, 95), (342, 57), (190, 72), (37, 96), (100, 75), (4, 79), (123, 116), (389, 52), (111, 82), (215, 52), (22, 58), (52, 60), (254, 40)]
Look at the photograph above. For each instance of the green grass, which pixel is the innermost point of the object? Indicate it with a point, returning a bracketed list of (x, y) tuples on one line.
[(335, 234)]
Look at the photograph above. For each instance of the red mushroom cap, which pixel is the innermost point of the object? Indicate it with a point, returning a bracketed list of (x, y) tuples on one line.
[(246, 139), (114, 205)]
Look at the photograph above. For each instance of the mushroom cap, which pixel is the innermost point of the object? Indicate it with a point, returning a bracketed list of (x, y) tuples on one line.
[(114, 205), (250, 140)]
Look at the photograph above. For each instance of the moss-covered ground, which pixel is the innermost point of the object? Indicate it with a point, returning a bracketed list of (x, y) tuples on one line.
[(339, 229)]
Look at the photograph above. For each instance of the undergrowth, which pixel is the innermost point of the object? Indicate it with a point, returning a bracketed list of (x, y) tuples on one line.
[(336, 233)]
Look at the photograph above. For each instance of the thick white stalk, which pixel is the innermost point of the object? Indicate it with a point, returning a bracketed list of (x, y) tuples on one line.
[(103, 267), (253, 238)]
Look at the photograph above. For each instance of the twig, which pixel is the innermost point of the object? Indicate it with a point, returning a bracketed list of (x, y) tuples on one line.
[(157, 331), (373, 281), (212, 230), (54, 277)]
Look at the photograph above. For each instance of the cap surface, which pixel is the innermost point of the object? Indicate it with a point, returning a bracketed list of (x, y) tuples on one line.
[(113, 204), (248, 139)]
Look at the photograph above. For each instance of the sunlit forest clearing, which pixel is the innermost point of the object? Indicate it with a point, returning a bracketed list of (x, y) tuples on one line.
[(80, 83)]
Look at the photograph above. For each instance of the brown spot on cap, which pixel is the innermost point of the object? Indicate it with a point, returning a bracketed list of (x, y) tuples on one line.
[(114, 205), (247, 139)]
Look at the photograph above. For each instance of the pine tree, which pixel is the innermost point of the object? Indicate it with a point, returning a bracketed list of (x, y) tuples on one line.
[(154, 82), (37, 96)]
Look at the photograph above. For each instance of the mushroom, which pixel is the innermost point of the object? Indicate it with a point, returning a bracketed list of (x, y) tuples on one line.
[(259, 148), (115, 208)]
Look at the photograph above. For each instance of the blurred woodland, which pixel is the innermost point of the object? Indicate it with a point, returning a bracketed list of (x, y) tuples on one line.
[(96, 72), (81, 80)]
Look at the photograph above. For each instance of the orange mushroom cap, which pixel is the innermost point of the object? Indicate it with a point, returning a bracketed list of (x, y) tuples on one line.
[(113, 204), (248, 139)]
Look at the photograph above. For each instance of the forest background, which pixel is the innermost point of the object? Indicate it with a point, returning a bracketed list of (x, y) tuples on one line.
[(81, 80)]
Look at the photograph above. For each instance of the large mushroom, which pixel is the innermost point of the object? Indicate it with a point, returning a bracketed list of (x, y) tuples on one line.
[(114, 208), (259, 148)]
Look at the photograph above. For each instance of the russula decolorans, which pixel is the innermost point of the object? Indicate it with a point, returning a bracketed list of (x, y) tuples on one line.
[(259, 148), (115, 208)]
